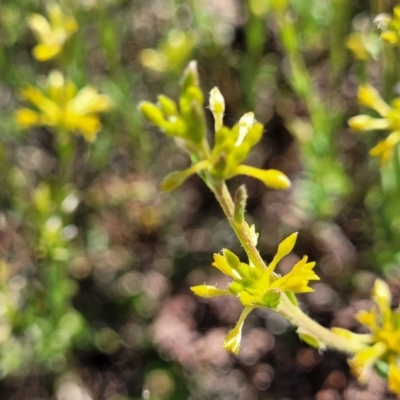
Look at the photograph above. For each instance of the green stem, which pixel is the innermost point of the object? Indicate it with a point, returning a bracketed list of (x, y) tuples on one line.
[(297, 317), (241, 229)]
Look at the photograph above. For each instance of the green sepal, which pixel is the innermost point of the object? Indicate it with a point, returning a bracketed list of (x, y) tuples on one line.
[(196, 123), (219, 166), (292, 297), (382, 368), (232, 258), (190, 76), (174, 180), (271, 299), (238, 154), (255, 273), (221, 136), (255, 134), (175, 126), (311, 340), (235, 287), (194, 94)]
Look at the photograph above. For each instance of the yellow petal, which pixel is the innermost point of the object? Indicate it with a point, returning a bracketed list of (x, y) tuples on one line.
[(362, 362), (247, 299), (381, 295), (208, 291), (244, 125), (25, 118), (88, 101), (391, 37), (384, 149), (221, 263), (394, 377), (361, 123), (87, 125), (38, 99), (368, 96), (45, 52), (55, 14), (70, 26), (154, 60), (234, 336), (40, 26), (271, 177), (368, 319)]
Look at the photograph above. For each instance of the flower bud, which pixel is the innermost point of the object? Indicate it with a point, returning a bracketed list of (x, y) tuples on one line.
[(152, 113), (168, 106), (245, 124), (217, 107)]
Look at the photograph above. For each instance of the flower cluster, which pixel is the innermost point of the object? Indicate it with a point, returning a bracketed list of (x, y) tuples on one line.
[(390, 26), (60, 105), (390, 120), (186, 123), (384, 340), (255, 287), (51, 33)]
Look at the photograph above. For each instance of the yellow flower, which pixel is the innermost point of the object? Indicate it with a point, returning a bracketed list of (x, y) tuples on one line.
[(258, 288), (363, 45), (231, 147), (390, 120), (390, 26), (61, 106), (171, 55), (51, 33), (384, 340)]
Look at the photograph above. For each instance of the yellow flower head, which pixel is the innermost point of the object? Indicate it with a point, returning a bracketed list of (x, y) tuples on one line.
[(61, 106), (384, 340), (390, 120), (258, 288), (185, 121), (389, 26), (51, 33)]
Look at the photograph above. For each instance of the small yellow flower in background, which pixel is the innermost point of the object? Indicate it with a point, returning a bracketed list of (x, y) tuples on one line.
[(258, 288), (171, 55), (61, 106), (370, 97), (363, 45), (51, 33), (384, 340), (390, 26)]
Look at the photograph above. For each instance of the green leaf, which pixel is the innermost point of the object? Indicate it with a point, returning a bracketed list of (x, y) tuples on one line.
[(174, 180)]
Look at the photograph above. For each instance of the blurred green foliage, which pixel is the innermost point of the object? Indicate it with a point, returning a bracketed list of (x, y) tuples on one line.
[(91, 256)]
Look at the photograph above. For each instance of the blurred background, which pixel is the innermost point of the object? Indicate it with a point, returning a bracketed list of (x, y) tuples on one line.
[(96, 263)]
